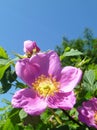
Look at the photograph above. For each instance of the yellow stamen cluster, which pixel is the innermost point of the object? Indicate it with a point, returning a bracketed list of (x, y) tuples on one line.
[(29, 54), (45, 86), (95, 117)]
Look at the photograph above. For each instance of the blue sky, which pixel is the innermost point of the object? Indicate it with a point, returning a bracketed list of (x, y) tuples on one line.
[(44, 21)]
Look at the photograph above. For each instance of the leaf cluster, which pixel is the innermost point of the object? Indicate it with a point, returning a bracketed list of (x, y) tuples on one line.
[(80, 53)]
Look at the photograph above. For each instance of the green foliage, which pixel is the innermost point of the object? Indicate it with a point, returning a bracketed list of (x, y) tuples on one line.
[(22, 114), (81, 53), (72, 52), (3, 53), (89, 77), (8, 125), (7, 76)]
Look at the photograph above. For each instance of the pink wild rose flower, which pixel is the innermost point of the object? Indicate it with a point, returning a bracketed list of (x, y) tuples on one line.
[(30, 47), (50, 85), (88, 113)]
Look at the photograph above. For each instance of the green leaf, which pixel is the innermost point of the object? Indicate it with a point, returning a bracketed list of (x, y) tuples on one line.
[(2, 69), (3, 53), (5, 108), (73, 52), (61, 57), (45, 116), (4, 64), (4, 89), (89, 77), (7, 79), (65, 127), (29, 127), (22, 114), (6, 101), (4, 61), (11, 76), (67, 49), (8, 125), (89, 94), (89, 86), (20, 85), (14, 116)]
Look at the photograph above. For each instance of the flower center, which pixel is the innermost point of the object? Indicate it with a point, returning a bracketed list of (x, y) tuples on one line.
[(95, 117), (34, 51), (45, 86)]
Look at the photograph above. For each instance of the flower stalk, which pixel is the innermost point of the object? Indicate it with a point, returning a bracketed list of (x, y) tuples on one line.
[(71, 118), (56, 117)]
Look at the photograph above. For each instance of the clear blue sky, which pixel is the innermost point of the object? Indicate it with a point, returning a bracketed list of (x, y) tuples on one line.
[(44, 21)]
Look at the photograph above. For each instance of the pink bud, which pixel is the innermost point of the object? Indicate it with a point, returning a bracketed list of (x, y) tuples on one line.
[(30, 47)]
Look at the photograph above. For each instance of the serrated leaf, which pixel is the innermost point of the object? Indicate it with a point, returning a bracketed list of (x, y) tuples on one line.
[(22, 114), (73, 52), (89, 77), (3, 53)]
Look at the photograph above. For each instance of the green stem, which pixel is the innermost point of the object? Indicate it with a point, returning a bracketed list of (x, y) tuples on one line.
[(57, 117), (71, 118)]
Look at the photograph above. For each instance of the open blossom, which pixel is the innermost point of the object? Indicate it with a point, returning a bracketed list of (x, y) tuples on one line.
[(30, 47), (50, 85), (88, 113)]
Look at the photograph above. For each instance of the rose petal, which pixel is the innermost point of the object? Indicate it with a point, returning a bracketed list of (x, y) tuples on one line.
[(29, 46), (49, 63), (41, 59), (86, 116), (54, 65), (40, 64), (70, 77), (87, 112), (29, 101), (26, 71), (64, 101)]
